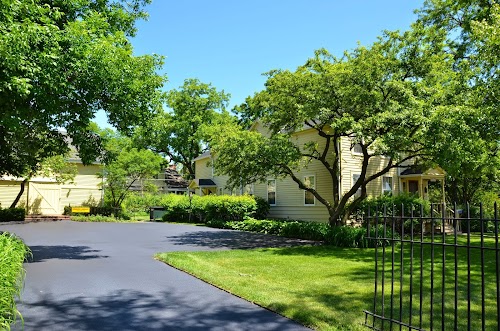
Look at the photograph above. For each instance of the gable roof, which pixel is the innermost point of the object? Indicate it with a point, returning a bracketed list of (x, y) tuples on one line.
[(202, 156)]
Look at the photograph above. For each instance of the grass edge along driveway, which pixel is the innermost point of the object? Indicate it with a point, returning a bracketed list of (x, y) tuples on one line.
[(324, 287), (327, 288)]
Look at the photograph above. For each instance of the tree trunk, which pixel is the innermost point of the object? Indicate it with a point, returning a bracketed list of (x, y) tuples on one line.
[(20, 194)]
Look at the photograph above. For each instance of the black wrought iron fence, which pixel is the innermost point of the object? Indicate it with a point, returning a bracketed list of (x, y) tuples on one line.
[(439, 271)]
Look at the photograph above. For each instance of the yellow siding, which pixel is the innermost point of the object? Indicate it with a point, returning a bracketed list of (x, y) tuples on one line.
[(50, 198), (202, 168), (351, 164), (9, 191), (86, 188), (290, 199)]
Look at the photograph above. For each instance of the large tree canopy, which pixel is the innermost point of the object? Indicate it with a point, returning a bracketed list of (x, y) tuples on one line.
[(381, 97), (177, 132), (60, 62), (468, 125)]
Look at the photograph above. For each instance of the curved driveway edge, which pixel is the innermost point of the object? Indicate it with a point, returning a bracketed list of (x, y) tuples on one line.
[(102, 276)]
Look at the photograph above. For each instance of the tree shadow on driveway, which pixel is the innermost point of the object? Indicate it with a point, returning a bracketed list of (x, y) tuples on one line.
[(128, 310), (228, 239), (63, 252)]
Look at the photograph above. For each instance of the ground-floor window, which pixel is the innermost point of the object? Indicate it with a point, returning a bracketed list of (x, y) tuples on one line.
[(386, 185), (271, 191), (355, 178), (310, 182)]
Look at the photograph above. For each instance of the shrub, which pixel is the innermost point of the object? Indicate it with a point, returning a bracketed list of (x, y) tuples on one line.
[(99, 218), (182, 208), (12, 214), (227, 207), (341, 236), (262, 208), (402, 204), (12, 254), (137, 203)]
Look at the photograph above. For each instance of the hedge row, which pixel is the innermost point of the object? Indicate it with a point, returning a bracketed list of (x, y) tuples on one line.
[(340, 236), (12, 214), (12, 254), (182, 208)]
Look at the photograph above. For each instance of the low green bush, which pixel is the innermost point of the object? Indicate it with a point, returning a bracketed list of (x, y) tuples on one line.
[(12, 214), (340, 236), (100, 218), (12, 255), (182, 208), (137, 203), (398, 205)]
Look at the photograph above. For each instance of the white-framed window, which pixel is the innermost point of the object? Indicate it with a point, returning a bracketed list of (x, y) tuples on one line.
[(310, 182), (387, 185), (221, 191), (356, 148), (271, 191), (355, 178)]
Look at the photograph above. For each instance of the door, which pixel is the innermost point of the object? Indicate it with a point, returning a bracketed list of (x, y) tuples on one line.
[(413, 186), (44, 198)]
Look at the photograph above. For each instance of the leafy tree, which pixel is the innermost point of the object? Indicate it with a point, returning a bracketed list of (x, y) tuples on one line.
[(128, 167), (62, 61), (177, 133), (379, 97), (55, 167), (467, 124)]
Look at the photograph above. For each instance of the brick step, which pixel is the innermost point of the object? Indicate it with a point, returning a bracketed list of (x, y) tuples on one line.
[(46, 218)]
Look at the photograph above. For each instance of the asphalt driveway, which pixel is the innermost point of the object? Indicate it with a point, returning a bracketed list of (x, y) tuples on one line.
[(102, 276)]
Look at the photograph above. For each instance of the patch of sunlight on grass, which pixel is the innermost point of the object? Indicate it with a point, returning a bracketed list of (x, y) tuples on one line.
[(325, 288)]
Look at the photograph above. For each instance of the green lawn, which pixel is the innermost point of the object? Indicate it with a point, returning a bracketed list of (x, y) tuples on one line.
[(327, 288)]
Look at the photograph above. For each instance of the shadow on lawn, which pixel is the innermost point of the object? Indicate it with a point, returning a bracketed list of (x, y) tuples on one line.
[(235, 240), (135, 310), (63, 252)]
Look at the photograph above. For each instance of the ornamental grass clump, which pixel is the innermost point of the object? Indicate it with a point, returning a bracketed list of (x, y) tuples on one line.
[(13, 252)]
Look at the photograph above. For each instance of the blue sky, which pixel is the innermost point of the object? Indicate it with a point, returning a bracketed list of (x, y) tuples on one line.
[(231, 43)]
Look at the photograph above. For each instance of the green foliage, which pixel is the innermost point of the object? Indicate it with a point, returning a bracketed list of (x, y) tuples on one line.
[(12, 214), (12, 254), (398, 205), (378, 97), (465, 128), (178, 133), (71, 59), (129, 166), (340, 236), (393, 204), (262, 207), (101, 219), (137, 203), (182, 208)]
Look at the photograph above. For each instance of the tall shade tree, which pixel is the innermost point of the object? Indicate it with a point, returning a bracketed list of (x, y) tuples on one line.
[(379, 97), (60, 62), (470, 152), (177, 133)]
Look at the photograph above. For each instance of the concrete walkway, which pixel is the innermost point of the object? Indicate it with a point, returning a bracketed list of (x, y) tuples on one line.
[(102, 276)]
